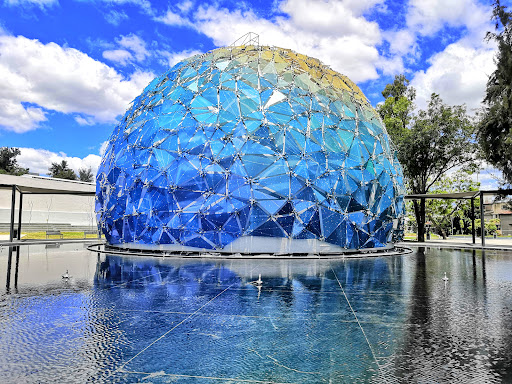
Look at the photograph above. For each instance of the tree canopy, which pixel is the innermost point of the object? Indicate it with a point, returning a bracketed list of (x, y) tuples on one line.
[(442, 212), (430, 143), (495, 127), (85, 174), (62, 171), (8, 162), (396, 111)]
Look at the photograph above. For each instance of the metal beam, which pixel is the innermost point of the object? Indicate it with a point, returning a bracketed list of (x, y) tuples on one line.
[(19, 215), (60, 193), (13, 207), (9, 263)]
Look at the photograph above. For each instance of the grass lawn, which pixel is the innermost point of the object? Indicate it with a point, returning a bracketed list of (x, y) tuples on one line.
[(413, 236)]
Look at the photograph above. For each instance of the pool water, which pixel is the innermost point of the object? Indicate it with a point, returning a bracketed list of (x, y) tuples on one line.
[(153, 320)]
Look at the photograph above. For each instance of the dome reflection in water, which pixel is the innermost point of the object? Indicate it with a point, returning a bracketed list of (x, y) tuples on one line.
[(121, 319)]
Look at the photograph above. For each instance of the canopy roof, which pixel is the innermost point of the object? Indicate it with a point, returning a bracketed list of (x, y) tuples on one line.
[(46, 185), (453, 195), (458, 195)]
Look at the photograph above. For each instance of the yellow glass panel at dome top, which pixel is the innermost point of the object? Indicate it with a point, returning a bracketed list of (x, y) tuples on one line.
[(221, 53), (303, 65), (279, 59), (315, 73), (312, 62), (358, 94), (338, 83), (267, 55), (249, 48), (286, 58)]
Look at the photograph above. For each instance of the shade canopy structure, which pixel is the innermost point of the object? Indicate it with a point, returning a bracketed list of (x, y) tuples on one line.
[(36, 185), (444, 196), (468, 195)]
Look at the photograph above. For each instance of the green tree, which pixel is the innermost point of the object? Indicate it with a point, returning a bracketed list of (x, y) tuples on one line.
[(442, 212), (429, 144), (85, 174), (8, 162), (495, 128), (396, 111), (491, 226), (61, 171)]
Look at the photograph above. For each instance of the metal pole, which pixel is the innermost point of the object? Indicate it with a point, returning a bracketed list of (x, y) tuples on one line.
[(473, 232), (9, 263), (482, 218), (19, 215), (17, 266), (13, 206)]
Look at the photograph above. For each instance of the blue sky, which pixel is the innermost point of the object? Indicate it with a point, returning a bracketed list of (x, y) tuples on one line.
[(70, 68)]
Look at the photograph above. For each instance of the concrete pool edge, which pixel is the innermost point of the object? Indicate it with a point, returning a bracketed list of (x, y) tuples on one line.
[(103, 248), (455, 245)]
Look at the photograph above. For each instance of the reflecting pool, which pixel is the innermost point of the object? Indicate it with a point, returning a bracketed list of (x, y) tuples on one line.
[(153, 320)]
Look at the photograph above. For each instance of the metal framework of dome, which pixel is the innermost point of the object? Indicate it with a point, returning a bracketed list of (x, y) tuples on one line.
[(250, 149)]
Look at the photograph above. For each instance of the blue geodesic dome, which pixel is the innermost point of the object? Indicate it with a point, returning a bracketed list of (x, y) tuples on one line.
[(256, 143)]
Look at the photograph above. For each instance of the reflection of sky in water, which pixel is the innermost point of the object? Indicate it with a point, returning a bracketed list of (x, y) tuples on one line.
[(162, 320)]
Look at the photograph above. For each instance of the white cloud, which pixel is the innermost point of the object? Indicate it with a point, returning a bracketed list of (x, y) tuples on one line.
[(173, 19), (333, 32), (390, 66), (332, 18), (429, 16), (17, 117), (116, 17), (121, 56), (39, 3), (144, 5), (84, 120), (185, 6), (132, 49), (458, 74), (175, 57), (39, 160), (400, 42), (50, 77), (135, 44)]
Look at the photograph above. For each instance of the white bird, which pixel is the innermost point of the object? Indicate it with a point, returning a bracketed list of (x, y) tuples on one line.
[(445, 278), (66, 275), (258, 282)]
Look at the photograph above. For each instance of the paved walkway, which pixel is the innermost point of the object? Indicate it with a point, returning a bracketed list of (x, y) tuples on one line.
[(467, 242), (6, 237)]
